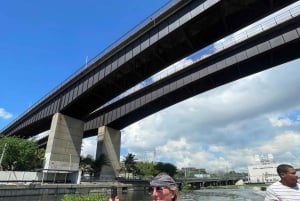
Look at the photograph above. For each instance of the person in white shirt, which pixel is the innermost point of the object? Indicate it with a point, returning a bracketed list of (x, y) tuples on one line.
[(287, 189)]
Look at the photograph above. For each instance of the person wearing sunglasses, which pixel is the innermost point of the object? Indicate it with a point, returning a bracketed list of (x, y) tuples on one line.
[(164, 188)]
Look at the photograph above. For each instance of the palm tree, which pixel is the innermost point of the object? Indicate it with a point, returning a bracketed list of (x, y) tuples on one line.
[(86, 165), (129, 163)]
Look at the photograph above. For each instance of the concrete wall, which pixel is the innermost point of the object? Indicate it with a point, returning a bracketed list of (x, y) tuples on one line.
[(18, 176), (7, 192), (31, 177)]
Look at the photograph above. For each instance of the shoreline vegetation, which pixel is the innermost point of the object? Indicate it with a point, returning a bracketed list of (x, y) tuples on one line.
[(89, 197)]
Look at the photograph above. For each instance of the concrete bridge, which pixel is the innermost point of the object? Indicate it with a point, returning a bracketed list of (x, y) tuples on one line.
[(197, 183), (71, 111), (179, 31)]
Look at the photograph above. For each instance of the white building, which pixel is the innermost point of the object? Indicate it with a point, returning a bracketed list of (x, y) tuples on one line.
[(264, 172)]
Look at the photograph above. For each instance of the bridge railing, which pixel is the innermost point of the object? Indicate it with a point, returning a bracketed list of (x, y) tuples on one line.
[(227, 42), (153, 16)]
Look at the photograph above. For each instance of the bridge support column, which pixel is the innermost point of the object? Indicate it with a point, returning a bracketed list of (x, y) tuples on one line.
[(109, 142), (64, 144)]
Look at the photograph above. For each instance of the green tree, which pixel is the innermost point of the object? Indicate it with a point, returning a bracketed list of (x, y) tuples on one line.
[(39, 158), (166, 167), (129, 163), (19, 154), (87, 159), (86, 164), (146, 169), (91, 166), (84, 197)]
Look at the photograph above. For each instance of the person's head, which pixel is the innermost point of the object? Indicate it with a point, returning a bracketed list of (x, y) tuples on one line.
[(164, 188), (287, 174)]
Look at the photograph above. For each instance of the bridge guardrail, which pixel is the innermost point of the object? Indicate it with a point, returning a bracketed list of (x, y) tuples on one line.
[(162, 9), (232, 39), (218, 46)]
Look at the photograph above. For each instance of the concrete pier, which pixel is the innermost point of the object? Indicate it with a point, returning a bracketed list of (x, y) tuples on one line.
[(109, 142), (64, 143)]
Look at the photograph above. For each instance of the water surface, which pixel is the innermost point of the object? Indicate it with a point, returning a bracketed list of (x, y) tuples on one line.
[(240, 194)]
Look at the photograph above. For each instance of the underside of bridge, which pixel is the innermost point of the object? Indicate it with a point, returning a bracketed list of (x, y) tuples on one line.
[(177, 33), (71, 109)]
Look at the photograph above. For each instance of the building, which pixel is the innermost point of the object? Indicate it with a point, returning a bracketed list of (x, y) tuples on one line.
[(263, 172)]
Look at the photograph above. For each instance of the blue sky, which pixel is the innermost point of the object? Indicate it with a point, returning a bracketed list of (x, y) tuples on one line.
[(43, 43)]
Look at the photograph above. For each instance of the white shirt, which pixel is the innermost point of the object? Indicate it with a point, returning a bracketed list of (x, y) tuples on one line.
[(279, 192)]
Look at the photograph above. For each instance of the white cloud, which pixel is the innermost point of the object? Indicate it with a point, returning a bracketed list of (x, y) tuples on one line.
[(4, 114), (226, 127), (279, 122), (89, 146)]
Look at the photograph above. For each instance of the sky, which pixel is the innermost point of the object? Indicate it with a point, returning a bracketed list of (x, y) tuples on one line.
[(44, 43)]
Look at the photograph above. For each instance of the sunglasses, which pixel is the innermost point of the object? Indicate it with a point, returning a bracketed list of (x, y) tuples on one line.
[(158, 189)]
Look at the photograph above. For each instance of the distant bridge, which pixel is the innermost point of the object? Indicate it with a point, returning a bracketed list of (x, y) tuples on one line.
[(207, 181)]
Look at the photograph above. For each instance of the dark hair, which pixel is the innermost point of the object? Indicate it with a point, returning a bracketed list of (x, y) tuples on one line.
[(283, 168)]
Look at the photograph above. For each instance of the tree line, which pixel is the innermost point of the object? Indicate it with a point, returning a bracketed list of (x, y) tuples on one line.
[(130, 167), (18, 154)]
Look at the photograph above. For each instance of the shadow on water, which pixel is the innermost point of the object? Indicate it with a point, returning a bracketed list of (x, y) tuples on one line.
[(239, 194)]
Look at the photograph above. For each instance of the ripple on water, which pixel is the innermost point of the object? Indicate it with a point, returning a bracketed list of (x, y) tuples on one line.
[(246, 194)]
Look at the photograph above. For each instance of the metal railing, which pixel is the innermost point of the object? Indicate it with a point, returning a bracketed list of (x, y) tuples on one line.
[(227, 42), (158, 12)]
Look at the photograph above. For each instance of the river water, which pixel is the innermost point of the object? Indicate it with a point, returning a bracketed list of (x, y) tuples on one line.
[(224, 195), (240, 194)]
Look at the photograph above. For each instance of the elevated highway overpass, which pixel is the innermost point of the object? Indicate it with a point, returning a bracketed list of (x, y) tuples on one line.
[(264, 49), (179, 31), (70, 112), (260, 52)]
